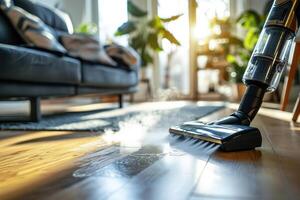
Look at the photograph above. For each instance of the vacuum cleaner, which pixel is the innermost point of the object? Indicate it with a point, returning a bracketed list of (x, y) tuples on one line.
[(268, 60)]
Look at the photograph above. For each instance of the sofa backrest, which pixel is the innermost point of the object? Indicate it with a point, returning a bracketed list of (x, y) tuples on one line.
[(54, 18)]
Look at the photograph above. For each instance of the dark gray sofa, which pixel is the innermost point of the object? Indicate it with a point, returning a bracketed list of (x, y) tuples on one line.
[(28, 73)]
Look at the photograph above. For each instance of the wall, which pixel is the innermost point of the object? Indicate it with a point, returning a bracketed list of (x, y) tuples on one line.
[(79, 10), (257, 5), (83, 10), (76, 9), (47, 2)]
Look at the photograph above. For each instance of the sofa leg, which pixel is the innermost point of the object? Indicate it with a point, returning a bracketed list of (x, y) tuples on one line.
[(34, 112), (120, 96), (35, 109)]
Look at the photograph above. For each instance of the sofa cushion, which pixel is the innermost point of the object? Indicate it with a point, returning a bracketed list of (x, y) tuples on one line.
[(108, 77), (23, 64), (32, 29), (57, 21), (14, 89)]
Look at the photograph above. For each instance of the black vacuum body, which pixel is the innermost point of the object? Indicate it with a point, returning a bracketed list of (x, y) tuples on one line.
[(268, 61)]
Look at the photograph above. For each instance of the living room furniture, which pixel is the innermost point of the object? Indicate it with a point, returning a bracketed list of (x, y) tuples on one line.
[(289, 79), (33, 74), (214, 52), (296, 110)]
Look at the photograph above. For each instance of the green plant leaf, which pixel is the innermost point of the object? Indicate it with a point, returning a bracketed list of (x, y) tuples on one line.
[(249, 19), (169, 36), (169, 19), (153, 42), (245, 56), (231, 58), (156, 23), (137, 42), (126, 28), (134, 10), (146, 58), (251, 38), (235, 41), (87, 28)]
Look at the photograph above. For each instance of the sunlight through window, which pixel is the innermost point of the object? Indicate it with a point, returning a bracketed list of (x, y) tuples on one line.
[(112, 14), (206, 11), (174, 61)]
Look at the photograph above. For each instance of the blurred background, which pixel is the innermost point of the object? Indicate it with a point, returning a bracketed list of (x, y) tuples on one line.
[(191, 49)]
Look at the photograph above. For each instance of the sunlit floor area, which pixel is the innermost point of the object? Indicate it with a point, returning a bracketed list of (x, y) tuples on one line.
[(142, 161), (99, 100)]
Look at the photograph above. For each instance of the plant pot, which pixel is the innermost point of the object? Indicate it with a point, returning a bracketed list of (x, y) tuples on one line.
[(145, 73)]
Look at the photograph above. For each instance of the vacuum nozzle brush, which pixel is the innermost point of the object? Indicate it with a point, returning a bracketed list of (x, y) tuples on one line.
[(262, 75), (229, 137)]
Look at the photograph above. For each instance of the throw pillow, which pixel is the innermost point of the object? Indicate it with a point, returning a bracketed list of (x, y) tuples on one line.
[(31, 28), (126, 54), (87, 48), (5, 4)]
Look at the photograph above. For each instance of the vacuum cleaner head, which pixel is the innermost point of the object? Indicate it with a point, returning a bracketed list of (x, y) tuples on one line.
[(230, 137)]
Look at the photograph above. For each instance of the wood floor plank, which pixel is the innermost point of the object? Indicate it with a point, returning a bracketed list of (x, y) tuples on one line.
[(247, 175), (176, 173), (27, 162), (243, 175), (79, 165), (155, 182), (172, 177), (285, 142)]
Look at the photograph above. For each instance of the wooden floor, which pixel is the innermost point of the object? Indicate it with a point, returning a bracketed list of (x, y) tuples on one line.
[(82, 165)]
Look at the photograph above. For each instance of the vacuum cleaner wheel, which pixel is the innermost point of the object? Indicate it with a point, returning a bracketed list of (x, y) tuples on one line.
[(230, 137)]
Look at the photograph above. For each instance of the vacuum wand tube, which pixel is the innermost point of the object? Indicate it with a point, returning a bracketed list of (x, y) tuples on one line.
[(268, 60), (265, 67)]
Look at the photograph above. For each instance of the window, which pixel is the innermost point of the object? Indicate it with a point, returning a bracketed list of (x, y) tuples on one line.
[(206, 11), (112, 14), (174, 61)]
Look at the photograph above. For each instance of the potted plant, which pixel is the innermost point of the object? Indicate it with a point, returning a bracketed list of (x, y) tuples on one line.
[(252, 23), (146, 34), (238, 65), (88, 28)]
